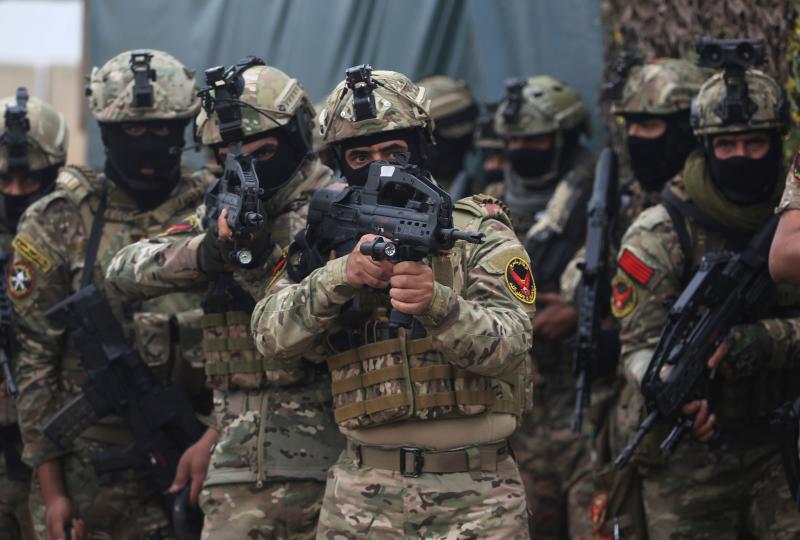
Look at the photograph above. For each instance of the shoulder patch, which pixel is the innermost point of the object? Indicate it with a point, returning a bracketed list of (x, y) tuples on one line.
[(20, 279), (635, 267), (519, 280), (623, 295), (32, 253), (189, 223)]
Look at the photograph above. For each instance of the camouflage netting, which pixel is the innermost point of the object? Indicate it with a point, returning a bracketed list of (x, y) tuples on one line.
[(668, 28)]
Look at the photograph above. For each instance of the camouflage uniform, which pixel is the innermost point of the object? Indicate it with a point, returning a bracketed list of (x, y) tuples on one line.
[(277, 437), (46, 150), (455, 115), (479, 496), (656, 90), (47, 267), (703, 492), (545, 211)]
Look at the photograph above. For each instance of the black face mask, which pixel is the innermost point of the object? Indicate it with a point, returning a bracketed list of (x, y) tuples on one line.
[(747, 181), (530, 163), (13, 206), (446, 157), (127, 155), (358, 177), (491, 176), (275, 172), (655, 161)]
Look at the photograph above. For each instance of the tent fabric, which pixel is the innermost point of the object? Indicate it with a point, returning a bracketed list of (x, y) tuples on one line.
[(481, 41)]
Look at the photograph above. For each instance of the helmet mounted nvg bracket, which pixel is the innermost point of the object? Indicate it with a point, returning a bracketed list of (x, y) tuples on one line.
[(142, 75), (360, 82), (16, 135), (734, 56), (513, 106)]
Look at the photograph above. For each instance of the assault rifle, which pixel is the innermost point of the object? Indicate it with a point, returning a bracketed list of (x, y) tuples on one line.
[(397, 202), (591, 349), (784, 424), (727, 289), (119, 383)]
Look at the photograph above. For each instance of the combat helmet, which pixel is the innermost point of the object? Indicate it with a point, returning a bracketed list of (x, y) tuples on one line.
[(768, 107), (371, 102), (34, 135), (452, 107), (142, 85), (539, 106), (663, 87)]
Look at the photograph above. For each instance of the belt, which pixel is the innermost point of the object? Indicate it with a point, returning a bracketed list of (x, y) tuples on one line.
[(412, 462)]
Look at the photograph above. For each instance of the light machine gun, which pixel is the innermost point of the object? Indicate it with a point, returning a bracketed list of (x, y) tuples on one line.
[(726, 290)]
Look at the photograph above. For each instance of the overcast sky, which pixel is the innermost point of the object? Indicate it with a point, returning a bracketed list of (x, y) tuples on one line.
[(41, 31)]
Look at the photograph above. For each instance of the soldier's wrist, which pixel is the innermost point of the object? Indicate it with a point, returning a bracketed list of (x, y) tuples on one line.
[(333, 278), (441, 306)]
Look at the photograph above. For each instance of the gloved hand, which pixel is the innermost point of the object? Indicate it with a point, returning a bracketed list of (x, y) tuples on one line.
[(213, 253), (749, 348)]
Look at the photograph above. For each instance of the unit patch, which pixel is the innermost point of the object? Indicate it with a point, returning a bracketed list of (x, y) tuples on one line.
[(519, 280), (623, 295), (20, 279), (35, 255), (599, 511), (635, 267)]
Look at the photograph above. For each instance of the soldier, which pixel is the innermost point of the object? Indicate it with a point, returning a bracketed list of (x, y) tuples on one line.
[(654, 105), (142, 101), (455, 116), (547, 186), (432, 462), (491, 148), (33, 146), (277, 438), (728, 192)]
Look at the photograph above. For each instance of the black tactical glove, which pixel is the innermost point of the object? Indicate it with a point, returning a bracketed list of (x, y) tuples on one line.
[(212, 254)]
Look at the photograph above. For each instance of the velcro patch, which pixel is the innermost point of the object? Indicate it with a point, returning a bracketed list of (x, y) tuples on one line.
[(32, 253), (20, 279), (635, 267), (599, 511), (519, 280), (623, 295)]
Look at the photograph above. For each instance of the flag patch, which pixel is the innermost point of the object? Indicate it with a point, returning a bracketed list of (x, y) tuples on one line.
[(635, 267)]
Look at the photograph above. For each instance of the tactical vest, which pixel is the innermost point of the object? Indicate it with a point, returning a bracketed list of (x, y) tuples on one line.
[(165, 331), (395, 374)]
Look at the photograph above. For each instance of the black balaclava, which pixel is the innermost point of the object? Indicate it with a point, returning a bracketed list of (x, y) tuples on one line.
[(490, 176), (275, 172), (12, 206), (743, 180), (126, 155), (358, 177), (446, 157), (655, 161), (532, 163)]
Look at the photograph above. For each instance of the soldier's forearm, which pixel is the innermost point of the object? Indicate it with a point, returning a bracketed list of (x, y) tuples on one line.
[(51, 479), (784, 255)]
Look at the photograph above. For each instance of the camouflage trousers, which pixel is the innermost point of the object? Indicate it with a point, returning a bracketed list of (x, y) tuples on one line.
[(15, 518), (275, 511), (721, 494), (362, 502), (115, 506), (555, 466)]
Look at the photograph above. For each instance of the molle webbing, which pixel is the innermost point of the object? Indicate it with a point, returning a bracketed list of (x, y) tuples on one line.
[(410, 399), (230, 344)]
